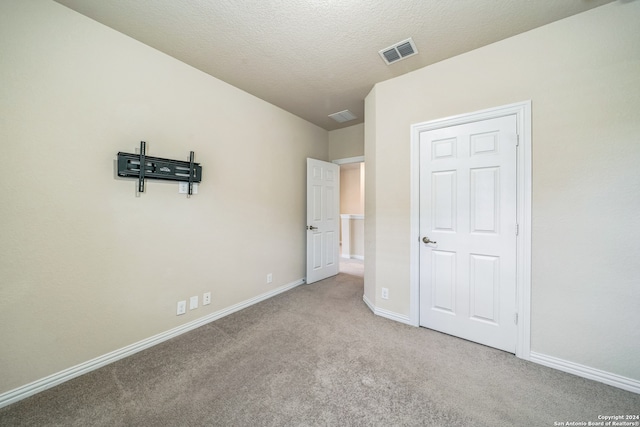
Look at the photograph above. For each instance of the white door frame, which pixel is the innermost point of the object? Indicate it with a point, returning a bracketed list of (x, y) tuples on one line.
[(348, 160), (522, 110)]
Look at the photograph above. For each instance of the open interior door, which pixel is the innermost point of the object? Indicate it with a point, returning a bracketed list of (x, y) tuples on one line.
[(323, 214)]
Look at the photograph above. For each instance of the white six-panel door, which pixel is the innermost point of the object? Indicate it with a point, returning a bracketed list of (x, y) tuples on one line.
[(468, 231), (323, 215)]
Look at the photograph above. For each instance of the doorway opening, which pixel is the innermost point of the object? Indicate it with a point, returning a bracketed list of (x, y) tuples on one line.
[(352, 183)]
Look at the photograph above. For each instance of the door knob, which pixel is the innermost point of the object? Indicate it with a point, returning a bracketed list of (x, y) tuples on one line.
[(426, 240), (311, 227)]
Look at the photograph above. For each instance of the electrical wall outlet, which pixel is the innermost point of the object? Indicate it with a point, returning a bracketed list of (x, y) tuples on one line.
[(385, 293), (183, 187), (182, 308), (206, 298), (269, 278), (193, 302)]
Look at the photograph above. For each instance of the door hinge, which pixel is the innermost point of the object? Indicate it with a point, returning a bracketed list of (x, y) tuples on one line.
[(515, 318), (517, 139), (517, 229)]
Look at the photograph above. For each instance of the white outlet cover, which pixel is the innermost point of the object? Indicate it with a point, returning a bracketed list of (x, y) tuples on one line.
[(182, 308), (206, 298), (269, 278), (385, 293), (193, 302), (183, 187)]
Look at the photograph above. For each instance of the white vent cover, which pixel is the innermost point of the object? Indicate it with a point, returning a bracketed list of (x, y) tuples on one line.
[(343, 116), (398, 51)]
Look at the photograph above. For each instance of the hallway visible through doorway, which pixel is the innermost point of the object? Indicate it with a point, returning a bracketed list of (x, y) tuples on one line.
[(352, 210), (352, 266)]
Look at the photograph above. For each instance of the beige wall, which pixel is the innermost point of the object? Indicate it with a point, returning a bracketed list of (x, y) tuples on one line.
[(351, 197), (86, 266), (346, 142), (370, 199), (582, 75)]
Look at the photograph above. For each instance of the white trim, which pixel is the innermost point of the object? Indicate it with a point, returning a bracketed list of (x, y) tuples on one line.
[(351, 256), (522, 110), (351, 216), (42, 384), (583, 371), (414, 226), (345, 250), (393, 316), (348, 160), (386, 313), (369, 304)]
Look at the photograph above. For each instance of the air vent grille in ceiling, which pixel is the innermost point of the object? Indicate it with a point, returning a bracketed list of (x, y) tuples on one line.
[(398, 51), (343, 116)]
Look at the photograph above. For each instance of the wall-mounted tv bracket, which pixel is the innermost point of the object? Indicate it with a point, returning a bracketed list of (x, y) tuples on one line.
[(157, 168)]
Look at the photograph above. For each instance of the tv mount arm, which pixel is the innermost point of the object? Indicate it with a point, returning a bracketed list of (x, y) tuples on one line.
[(142, 166)]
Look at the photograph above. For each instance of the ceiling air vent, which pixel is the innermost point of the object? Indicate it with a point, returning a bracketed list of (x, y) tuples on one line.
[(399, 51), (343, 116)]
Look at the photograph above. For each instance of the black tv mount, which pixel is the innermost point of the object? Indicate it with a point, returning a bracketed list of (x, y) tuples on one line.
[(157, 168)]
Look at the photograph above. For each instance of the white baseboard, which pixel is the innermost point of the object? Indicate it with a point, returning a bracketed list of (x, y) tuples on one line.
[(393, 316), (586, 372), (614, 380), (386, 313), (37, 386), (349, 256), (371, 306)]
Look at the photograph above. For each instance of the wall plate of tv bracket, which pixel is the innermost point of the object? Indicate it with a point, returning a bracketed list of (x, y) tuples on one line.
[(158, 168)]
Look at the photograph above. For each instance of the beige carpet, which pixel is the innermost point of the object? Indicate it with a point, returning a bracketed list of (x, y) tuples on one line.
[(352, 266), (316, 356)]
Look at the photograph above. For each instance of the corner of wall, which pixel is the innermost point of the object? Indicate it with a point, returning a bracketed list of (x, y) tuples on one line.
[(369, 129)]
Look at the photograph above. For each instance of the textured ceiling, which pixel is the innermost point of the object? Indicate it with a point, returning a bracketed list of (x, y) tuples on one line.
[(317, 57)]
